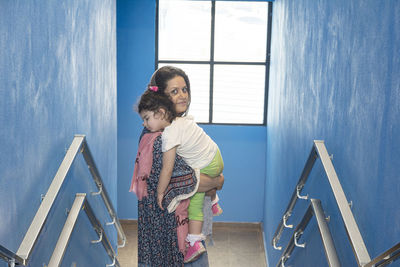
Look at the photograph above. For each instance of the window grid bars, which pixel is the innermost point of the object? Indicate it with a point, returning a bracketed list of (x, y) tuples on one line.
[(212, 63)]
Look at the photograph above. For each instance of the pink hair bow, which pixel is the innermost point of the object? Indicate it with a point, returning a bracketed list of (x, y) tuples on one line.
[(153, 88)]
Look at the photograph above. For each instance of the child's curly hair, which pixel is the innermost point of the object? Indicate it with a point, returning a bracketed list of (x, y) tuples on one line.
[(151, 101)]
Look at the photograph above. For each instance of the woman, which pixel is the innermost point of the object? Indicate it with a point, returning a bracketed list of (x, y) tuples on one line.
[(160, 233)]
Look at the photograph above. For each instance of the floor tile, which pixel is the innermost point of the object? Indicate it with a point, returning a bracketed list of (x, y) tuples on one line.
[(234, 245)]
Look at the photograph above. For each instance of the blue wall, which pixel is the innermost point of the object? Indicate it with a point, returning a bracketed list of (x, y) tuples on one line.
[(135, 63), (243, 147), (57, 79), (335, 76)]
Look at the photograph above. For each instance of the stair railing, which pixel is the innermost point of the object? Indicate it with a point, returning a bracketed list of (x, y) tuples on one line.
[(314, 208), (359, 249), (10, 257), (63, 240), (22, 256)]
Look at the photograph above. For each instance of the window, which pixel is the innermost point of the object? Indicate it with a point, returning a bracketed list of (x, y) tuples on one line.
[(223, 46)]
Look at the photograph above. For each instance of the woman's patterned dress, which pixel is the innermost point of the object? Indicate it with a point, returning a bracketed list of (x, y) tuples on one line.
[(157, 234)]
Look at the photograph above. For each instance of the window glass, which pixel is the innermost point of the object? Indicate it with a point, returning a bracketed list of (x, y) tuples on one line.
[(240, 31), (226, 61), (238, 94), (184, 30)]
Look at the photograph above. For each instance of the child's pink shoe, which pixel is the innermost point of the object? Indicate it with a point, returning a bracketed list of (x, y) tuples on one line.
[(216, 209), (194, 252)]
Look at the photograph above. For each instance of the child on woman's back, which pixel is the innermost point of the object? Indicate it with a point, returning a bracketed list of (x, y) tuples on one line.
[(182, 136)]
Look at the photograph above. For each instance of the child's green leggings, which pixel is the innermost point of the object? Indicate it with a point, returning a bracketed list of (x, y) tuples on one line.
[(214, 169)]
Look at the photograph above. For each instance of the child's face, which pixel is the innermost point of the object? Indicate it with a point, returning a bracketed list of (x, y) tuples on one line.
[(153, 121), (178, 93)]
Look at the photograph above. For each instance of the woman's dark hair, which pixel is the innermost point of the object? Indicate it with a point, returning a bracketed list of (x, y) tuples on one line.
[(161, 77), (153, 101)]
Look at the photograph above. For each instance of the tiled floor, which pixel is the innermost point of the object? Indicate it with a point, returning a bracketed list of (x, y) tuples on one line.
[(235, 245)]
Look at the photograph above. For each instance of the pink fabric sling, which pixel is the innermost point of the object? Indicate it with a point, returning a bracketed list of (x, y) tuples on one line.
[(143, 164)]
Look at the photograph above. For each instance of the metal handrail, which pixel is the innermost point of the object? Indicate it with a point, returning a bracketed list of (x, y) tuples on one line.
[(387, 257), (78, 145), (359, 249), (63, 240), (329, 246), (296, 194), (10, 257), (97, 178), (356, 240), (314, 208)]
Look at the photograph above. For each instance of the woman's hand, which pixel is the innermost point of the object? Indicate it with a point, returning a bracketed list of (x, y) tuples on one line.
[(211, 193), (207, 183), (160, 197), (220, 180)]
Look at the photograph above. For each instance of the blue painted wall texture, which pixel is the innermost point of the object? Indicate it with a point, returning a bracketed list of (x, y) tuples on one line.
[(57, 79), (334, 69), (335, 76), (135, 53), (243, 147)]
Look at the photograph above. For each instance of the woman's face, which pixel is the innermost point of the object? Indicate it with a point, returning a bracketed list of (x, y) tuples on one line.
[(178, 93)]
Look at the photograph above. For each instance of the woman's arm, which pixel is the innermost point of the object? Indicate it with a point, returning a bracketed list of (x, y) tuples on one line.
[(207, 183), (165, 175)]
